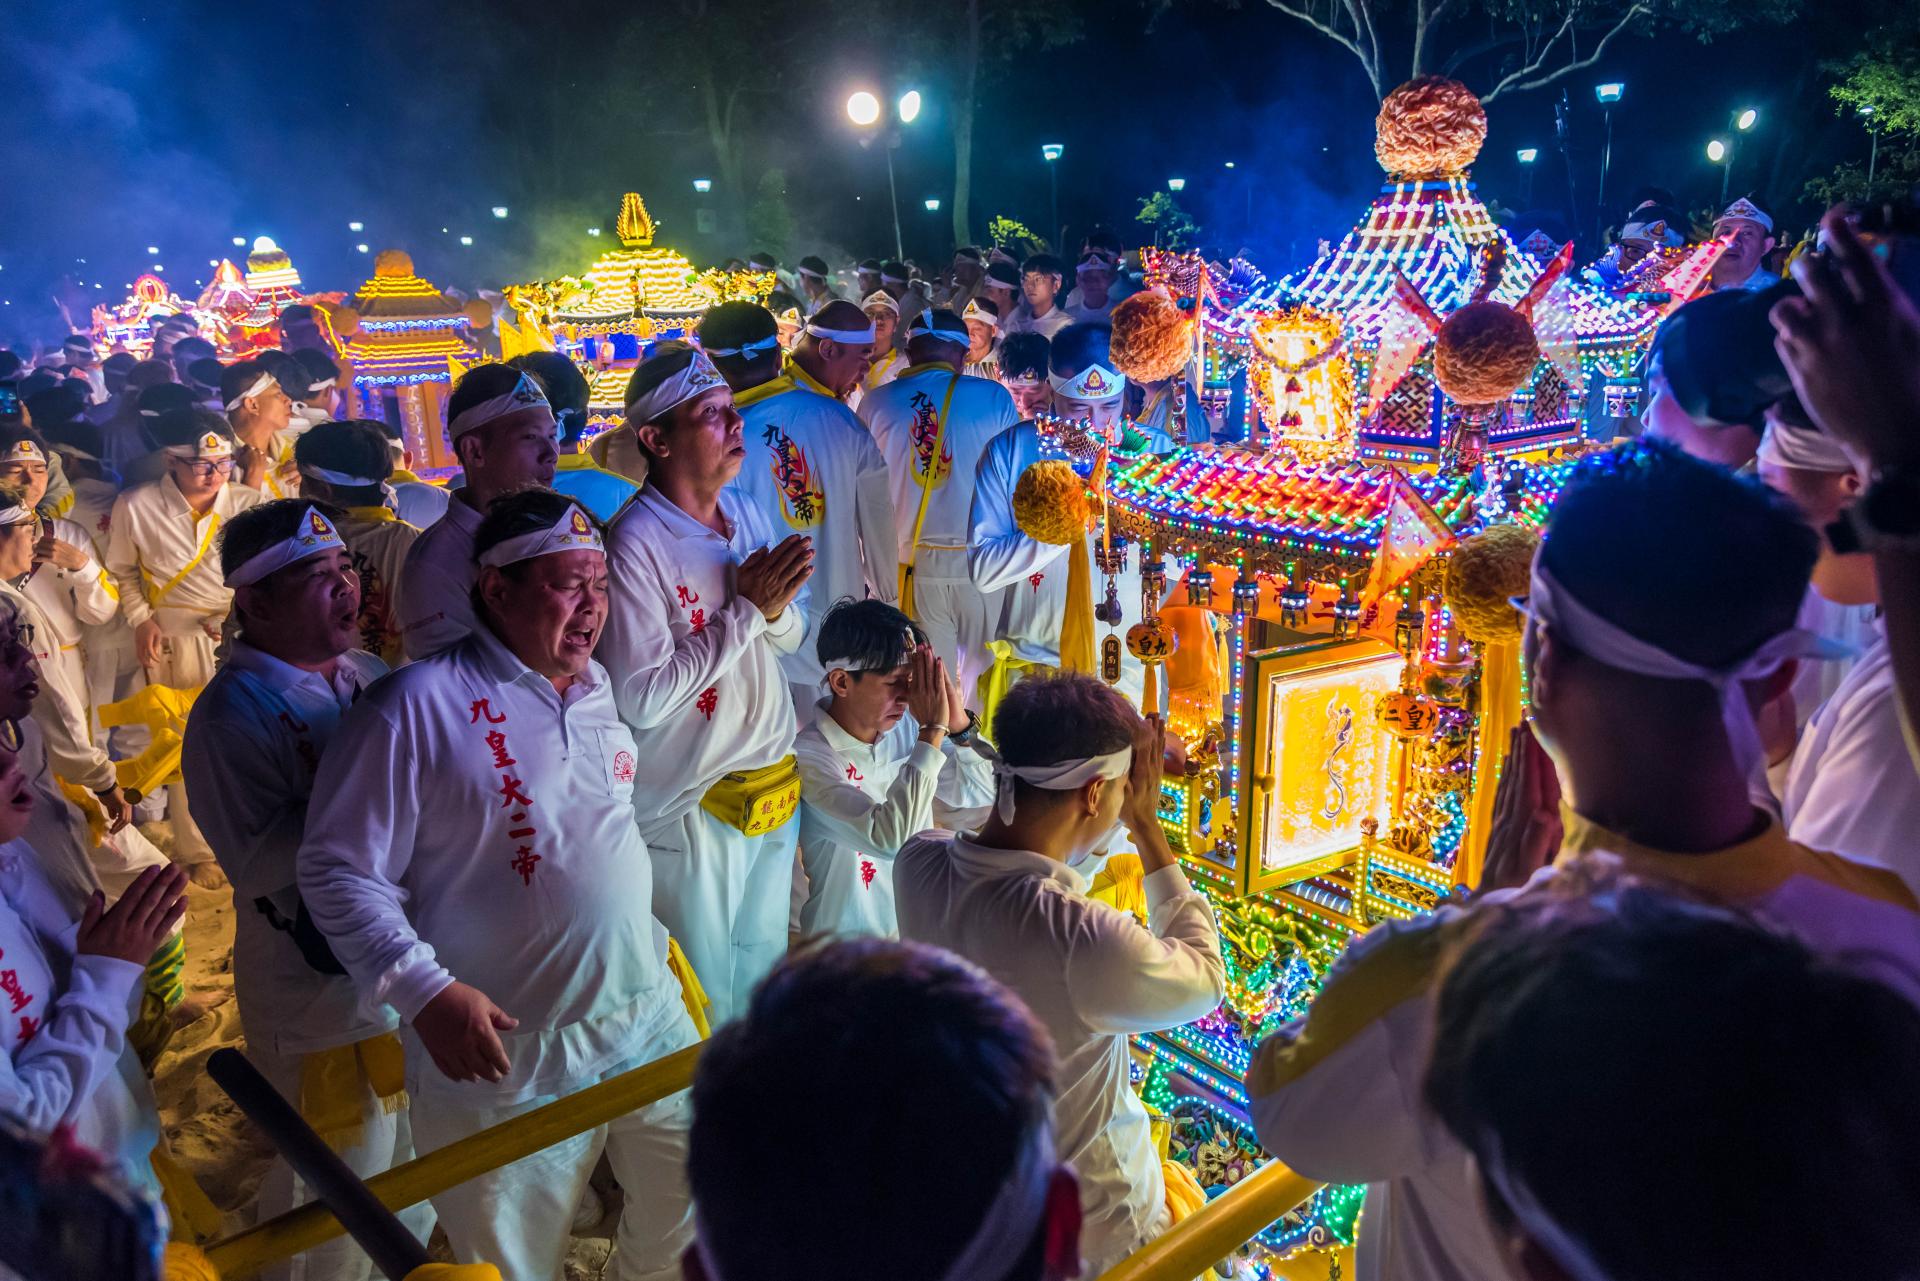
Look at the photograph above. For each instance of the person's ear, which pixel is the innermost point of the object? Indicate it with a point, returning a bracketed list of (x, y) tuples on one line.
[(652, 438), (493, 588), (1851, 484), (1092, 793), (1060, 1253), (839, 682)]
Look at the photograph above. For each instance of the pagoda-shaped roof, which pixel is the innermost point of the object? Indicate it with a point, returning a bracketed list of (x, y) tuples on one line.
[(395, 292), (404, 330), (227, 292), (639, 278)]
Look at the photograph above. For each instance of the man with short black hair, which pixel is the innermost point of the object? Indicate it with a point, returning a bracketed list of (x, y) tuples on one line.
[(1660, 616), (1076, 759), (866, 277), (77, 351), (1040, 279), (811, 467), (886, 754), (254, 740), (575, 473), (969, 269), (896, 279), (160, 553), (932, 424), (259, 411), (347, 464), (833, 350), (472, 859), (322, 401), (503, 431), (816, 291), (1024, 360), (948, 1061), (704, 605), (1001, 287)]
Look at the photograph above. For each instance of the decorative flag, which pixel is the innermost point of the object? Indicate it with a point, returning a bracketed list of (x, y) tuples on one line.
[(1411, 535), (1685, 280)]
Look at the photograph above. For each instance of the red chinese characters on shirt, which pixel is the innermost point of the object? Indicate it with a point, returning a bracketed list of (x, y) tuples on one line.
[(512, 794), (854, 775), (484, 708), (867, 872), (28, 1026), (708, 700), (10, 985), (1034, 580), (697, 620), (687, 596)]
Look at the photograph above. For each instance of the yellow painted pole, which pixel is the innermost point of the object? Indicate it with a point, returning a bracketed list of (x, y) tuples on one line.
[(1223, 1225), (245, 1253)]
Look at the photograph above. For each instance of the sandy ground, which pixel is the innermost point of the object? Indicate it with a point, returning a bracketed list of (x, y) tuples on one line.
[(207, 1133)]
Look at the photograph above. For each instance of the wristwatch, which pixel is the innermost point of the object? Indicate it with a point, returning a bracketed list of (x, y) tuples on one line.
[(964, 736), (1886, 516)]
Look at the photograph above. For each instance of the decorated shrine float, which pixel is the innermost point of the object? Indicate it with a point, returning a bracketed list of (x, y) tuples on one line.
[(129, 326), (631, 296), (272, 283), (1340, 660)]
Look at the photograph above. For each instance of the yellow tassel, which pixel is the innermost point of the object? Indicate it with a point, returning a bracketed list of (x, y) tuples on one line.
[(1076, 628), (334, 1084), (692, 994), (185, 1262)]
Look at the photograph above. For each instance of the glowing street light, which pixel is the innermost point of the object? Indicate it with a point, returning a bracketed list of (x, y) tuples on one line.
[(593, 231), (1610, 92), (158, 268), (1527, 155), (1230, 164), (909, 106), (933, 204), (152, 249), (1718, 151), (1746, 120), (1052, 151), (703, 185), (356, 226), (360, 249), (1176, 184), (466, 240), (240, 240), (863, 108), (499, 211)]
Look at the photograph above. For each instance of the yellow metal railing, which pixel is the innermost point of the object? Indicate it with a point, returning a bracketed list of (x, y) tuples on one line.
[(245, 1253), (1217, 1229)]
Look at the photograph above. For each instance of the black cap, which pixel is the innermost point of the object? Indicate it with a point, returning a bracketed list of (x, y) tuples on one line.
[(1717, 355)]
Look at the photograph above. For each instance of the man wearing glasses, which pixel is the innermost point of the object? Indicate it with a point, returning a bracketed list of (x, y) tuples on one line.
[(160, 554)]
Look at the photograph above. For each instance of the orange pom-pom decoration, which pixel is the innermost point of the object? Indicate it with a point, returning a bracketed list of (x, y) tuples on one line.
[(1429, 127), (1483, 573), (1152, 337), (1484, 353), (1050, 503)]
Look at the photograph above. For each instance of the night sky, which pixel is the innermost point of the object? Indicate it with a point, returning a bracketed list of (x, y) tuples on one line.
[(181, 127)]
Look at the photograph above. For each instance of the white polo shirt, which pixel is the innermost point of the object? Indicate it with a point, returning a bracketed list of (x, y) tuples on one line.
[(436, 582)]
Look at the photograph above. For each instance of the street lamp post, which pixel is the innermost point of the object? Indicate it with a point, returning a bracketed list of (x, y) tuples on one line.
[(1051, 153), (1873, 156), (1526, 157), (1606, 94), (863, 109), (1720, 152)]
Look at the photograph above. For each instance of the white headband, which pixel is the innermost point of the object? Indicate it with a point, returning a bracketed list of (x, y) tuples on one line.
[(697, 379), (526, 394), (259, 385), (573, 532), (1004, 1232), (1061, 776), (313, 535), (975, 311), (324, 383), (1803, 449), (338, 477), (757, 347), (1550, 605), (898, 280), (808, 271), (24, 451), (842, 335), (211, 445), (880, 298), (1095, 382), (11, 516)]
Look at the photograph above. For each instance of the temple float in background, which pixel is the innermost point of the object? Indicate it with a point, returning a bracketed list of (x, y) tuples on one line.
[(1340, 658)]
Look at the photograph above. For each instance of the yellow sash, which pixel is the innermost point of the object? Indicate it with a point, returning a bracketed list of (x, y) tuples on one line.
[(998, 679), (928, 483), (756, 801), (206, 542), (334, 1085), (692, 994)]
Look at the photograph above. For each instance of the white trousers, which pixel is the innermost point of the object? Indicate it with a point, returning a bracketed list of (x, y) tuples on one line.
[(726, 897), (520, 1217), (186, 662), (113, 673), (955, 616), (386, 1141)]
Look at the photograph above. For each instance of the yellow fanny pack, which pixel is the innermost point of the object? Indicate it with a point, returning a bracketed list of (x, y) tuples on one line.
[(756, 801)]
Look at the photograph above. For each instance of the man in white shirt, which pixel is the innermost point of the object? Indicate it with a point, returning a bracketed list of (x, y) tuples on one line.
[(1744, 264), (888, 361), (833, 351), (253, 744), (1040, 279), (1001, 287), (1660, 615), (982, 319), (260, 412), (811, 468), (1092, 298), (1087, 396), (815, 290), (887, 753), (932, 424), (911, 1024), (160, 552), (1075, 760), (1850, 786), (703, 607), (472, 858), (503, 431)]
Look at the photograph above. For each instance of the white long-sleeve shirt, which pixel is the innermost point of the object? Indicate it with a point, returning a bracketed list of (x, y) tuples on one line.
[(1852, 787), (253, 744), (860, 802), (695, 667), (72, 599), (162, 554), (470, 823), (1338, 1095), (1034, 574), (60, 708), (904, 416), (1093, 977), (811, 468), (377, 543), (63, 1026), (436, 581)]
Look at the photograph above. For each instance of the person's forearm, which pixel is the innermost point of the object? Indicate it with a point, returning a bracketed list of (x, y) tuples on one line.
[(1151, 840)]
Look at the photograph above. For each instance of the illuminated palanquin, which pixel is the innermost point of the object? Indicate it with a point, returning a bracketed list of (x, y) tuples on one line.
[(633, 295), (400, 339), (1338, 655), (129, 326)]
